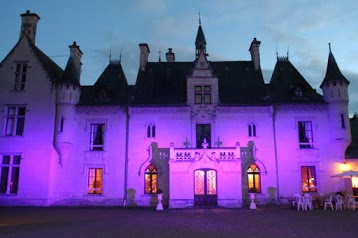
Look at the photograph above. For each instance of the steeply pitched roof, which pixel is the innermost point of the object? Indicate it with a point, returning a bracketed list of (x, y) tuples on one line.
[(165, 83), (288, 86), (200, 38), (352, 150), (333, 73), (70, 75), (110, 88), (53, 71)]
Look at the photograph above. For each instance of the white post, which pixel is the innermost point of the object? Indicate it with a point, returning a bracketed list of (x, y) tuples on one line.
[(252, 204), (160, 205)]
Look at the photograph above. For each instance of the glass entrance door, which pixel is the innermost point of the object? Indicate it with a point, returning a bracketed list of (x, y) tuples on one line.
[(205, 188)]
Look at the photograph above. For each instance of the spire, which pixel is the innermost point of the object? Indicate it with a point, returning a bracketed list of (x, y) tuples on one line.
[(200, 42), (333, 73)]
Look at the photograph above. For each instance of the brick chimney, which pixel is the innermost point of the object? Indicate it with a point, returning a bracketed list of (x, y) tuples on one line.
[(144, 54), (29, 25), (76, 55), (170, 55), (255, 53)]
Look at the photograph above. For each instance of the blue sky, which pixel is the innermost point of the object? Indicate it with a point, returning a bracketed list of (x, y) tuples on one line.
[(304, 26)]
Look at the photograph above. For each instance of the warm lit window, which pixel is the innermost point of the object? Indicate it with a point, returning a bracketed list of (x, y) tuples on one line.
[(343, 122), (202, 94), (309, 182), (151, 179), (97, 134), (252, 130), (15, 120), (254, 179), (94, 181), (305, 134), (151, 130), (10, 170), (20, 76)]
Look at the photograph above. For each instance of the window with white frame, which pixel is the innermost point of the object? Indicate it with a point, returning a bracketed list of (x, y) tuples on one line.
[(305, 134), (252, 130), (202, 94), (151, 130), (15, 120), (151, 179), (95, 181), (20, 76), (9, 177), (97, 137)]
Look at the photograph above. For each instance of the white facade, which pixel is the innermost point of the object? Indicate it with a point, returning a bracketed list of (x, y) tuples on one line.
[(75, 149)]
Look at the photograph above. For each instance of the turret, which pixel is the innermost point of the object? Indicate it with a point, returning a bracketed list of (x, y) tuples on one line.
[(335, 92), (68, 91), (29, 25), (144, 54), (255, 53)]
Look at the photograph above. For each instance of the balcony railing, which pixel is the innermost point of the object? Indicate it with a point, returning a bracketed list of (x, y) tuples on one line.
[(214, 154)]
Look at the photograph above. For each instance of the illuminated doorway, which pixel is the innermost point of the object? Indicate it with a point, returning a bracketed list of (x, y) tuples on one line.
[(205, 188)]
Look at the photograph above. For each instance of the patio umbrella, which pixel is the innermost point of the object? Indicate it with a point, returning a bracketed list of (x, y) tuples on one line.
[(346, 174)]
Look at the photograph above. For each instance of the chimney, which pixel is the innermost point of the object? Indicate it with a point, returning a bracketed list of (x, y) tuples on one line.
[(29, 25), (76, 55), (144, 53), (255, 53), (170, 55)]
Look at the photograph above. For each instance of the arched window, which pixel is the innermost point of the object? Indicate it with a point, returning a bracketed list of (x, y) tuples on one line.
[(252, 130), (254, 179), (151, 179), (151, 131)]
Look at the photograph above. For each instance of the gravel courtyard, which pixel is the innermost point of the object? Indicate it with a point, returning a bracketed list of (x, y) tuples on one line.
[(277, 221)]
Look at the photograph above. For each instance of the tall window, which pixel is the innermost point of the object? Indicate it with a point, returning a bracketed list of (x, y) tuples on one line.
[(151, 179), (15, 120), (309, 182), (151, 131), (343, 122), (254, 179), (305, 134), (94, 181), (202, 94), (252, 130), (20, 76), (97, 132), (10, 170)]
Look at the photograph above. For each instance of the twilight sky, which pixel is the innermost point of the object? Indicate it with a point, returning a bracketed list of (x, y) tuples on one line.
[(305, 27)]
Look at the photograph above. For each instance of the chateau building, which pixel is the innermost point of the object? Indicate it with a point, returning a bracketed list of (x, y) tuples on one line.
[(205, 133)]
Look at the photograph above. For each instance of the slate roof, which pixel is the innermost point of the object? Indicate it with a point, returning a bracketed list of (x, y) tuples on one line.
[(333, 73), (200, 38), (70, 75), (287, 83), (53, 71), (352, 150), (111, 88), (165, 83)]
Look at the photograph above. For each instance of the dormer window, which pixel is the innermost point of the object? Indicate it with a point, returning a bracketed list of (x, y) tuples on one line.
[(20, 76), (203, 94)]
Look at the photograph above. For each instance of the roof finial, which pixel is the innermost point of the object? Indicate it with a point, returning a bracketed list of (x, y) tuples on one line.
[(199, 18), (120, 56), (110, 55), (288, 50), (329, 46), (159, 59), (276, 53)]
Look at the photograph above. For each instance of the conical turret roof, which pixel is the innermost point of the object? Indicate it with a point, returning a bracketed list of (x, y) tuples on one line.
[(333, 73)]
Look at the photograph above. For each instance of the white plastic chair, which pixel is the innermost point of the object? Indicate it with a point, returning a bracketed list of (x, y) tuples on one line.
[(328, 202), (299, 202), (307, 202), (350, 202), (339, 202)]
